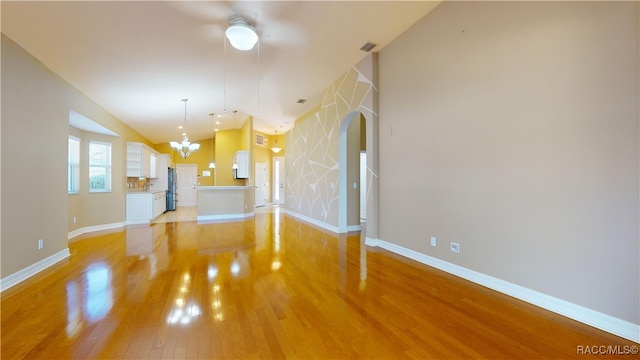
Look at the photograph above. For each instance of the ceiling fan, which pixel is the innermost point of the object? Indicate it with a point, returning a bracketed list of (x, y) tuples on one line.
[(268, 20)]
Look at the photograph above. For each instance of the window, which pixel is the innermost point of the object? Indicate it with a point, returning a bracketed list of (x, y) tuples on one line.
[(99, 167), (73, 171)]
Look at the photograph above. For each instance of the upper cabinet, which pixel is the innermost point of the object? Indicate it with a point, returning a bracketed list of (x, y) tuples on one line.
[(241, 159), (141, 160), (161, 182)]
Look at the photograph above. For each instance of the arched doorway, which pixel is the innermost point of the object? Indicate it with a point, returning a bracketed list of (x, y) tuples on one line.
[(356, 134)]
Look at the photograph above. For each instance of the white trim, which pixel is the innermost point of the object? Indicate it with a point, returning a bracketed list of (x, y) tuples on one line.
[(223, 217), (573, 311), (315, 222), (88, 229), (370, 242), (137, 222), (352, 228), (32, 269)]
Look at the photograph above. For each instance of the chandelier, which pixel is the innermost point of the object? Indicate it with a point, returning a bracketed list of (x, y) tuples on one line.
[(184, 147)]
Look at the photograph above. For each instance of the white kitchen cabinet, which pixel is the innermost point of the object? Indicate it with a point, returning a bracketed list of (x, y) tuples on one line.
[(159, 203), (143, 207), (241, 159), (134, 159), (161, 181), (141, 160), (139, 208), (152, 166)]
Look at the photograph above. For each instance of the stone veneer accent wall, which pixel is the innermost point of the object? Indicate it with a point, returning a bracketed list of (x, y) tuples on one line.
[(312, 179)]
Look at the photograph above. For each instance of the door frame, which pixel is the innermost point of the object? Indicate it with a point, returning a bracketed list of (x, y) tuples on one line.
[(191, 168), (264, 185)]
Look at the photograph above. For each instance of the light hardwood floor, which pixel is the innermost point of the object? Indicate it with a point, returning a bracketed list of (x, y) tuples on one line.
[(267, 287)]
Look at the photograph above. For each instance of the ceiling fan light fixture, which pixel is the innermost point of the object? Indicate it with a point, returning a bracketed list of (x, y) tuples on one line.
[(241, 34)]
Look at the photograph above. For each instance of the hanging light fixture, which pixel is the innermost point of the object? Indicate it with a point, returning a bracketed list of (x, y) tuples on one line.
[(241, 34), (235, 122), (212, 165), (184, 148), (276, 149)]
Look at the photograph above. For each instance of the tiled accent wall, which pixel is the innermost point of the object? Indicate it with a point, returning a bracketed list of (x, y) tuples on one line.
[(312, 145)]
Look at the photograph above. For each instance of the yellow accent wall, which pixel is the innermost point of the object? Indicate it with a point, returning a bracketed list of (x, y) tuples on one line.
[(201, 158), (226, 144)]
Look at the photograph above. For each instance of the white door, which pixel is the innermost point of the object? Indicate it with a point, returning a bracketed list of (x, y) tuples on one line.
[(261, 184), (278, 180), (187, 193)]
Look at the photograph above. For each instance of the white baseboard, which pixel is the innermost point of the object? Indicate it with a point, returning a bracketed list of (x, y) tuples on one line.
[(32, 269), (579, 313), (223, 217), (138, 222), (89, 229), (352, 228), (312, 221)]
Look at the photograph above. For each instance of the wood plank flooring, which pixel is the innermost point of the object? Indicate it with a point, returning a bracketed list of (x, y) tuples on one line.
[(268, 287)]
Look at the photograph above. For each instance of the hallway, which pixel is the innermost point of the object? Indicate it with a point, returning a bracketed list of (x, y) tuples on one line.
[(266, 287)]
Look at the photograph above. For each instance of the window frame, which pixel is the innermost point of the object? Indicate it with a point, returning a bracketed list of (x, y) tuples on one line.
[(73, 167), (106, 167)]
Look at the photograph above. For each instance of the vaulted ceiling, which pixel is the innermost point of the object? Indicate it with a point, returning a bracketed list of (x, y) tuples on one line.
[(138, 60)]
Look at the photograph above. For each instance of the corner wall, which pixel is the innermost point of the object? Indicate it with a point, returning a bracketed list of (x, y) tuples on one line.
[(512, 129), (35, 204)]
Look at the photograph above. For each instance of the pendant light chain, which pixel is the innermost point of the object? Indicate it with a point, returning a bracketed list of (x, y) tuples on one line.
[(224, 80)]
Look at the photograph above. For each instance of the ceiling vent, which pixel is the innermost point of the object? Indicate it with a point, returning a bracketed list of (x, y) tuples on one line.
[(368, 46), (301, 101)]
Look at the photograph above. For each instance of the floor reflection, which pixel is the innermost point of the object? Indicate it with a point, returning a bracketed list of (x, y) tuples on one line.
[(185, 308), (149, 243), (92, 297)]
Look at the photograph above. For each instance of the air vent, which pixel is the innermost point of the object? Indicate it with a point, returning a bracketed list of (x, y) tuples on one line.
[(301, 101), (368, 46), (260, 140)]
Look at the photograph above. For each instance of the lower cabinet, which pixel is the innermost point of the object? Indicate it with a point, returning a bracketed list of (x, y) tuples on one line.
[(143, 207), (159, 203)]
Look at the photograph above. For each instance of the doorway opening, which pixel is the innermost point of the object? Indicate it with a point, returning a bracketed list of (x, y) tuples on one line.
[(352, 168), (278, 180)]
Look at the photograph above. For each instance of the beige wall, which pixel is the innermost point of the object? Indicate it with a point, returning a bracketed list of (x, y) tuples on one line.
[(89, 208), (512, 129), (35, 117)]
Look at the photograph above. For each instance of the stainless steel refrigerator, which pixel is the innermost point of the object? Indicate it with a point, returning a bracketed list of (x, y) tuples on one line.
[(171, 193)]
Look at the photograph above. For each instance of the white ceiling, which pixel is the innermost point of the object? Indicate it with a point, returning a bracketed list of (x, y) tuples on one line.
[(138, 60)]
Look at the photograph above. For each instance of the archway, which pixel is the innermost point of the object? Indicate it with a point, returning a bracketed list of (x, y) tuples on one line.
[(349, 173)]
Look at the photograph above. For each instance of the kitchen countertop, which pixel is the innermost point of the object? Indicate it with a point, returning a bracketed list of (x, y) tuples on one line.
[(145, 192)]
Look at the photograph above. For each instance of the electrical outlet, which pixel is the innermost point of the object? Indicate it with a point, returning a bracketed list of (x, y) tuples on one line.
[(75, 220), (434, 242), (455, 247), (40, 244)]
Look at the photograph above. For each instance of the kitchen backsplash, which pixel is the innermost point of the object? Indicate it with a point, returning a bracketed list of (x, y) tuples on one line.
[(134, 184)]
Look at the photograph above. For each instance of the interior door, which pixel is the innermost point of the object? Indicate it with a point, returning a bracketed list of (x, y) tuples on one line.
[(187, 192), (261, 184), (278, 180)]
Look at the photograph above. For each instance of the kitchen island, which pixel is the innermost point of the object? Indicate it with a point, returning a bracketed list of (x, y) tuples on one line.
[(217, 203)]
